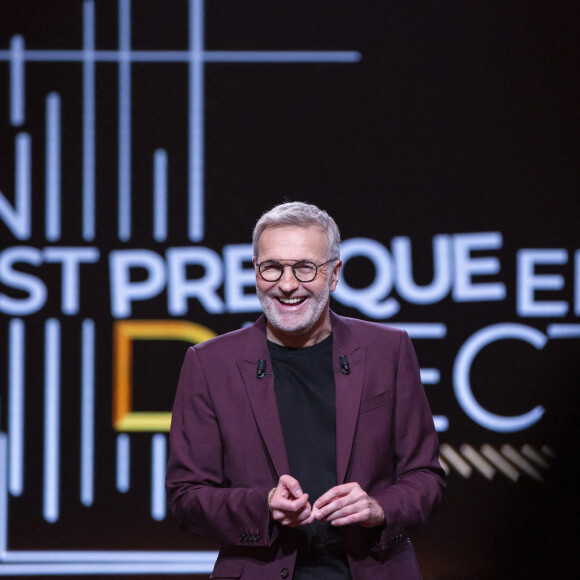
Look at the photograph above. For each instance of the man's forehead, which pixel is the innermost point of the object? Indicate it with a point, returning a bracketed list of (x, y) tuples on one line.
[(293, 242)]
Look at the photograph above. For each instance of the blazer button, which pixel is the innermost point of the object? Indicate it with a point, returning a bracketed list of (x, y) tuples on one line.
[(284, 573)]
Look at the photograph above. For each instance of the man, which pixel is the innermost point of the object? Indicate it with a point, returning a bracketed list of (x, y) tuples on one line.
[(304, 443)]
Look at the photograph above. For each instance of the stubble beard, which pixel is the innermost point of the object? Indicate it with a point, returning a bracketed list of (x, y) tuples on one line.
[(298, 323)]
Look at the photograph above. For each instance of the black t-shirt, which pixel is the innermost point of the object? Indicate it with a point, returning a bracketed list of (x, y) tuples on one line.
[(304, 384)]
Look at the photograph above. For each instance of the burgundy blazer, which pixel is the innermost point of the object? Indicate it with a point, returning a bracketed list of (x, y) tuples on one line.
[(227, 450)]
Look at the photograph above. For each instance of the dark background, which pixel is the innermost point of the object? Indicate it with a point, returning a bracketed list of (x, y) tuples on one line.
[(460, 117)]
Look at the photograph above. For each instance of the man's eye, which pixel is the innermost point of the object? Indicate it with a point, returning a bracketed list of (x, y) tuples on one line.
[(305, 267), (271, 267)]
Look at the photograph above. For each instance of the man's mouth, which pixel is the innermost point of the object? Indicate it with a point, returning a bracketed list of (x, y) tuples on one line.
[(291, 301)]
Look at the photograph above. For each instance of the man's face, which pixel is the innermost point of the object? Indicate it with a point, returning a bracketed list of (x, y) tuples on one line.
[(292, 306)]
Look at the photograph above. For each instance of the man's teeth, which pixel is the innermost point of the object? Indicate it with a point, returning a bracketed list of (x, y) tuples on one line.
[(290, 300)]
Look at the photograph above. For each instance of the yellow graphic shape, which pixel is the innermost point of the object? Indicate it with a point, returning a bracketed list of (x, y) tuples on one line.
[(125, 332)]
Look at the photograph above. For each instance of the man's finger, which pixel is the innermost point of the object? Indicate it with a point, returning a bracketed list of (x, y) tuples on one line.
[(281, 503), (291, 485), (333, 493)]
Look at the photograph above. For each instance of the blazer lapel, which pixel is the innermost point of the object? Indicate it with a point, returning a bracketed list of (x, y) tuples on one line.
[(348, 389), (262, 397)]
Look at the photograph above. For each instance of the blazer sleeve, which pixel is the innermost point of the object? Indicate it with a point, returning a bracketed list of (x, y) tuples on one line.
[(199, 494), (419, 478)]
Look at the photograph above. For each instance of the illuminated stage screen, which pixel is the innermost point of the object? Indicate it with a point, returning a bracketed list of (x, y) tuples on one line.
[(140, 141)]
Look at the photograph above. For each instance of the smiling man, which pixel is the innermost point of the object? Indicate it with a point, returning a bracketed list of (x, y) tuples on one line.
[(304, 443), (294, 283)]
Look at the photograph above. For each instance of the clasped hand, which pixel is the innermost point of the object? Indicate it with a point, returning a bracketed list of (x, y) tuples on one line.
[(341, 505)]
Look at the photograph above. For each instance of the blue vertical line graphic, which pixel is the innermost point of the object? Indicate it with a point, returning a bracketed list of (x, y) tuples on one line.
[(16, 417), (88, 120), (577, 283), (160, 195), (158, 465), (22, 187), (53, 168), (124, 120), (3, 494), (51, 420), (17, 114), (88, 413), (196, 121), (123, 462)]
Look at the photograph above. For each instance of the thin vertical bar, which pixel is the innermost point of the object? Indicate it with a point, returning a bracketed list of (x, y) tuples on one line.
[(124, 120), (123, 463), (51, 420), (160, 195), (88, 413), (88, 120), (17, 87), (196, 121), (158, 465), (23, 185), (53, 168), (16, 416), (577, 283), (3, 493)]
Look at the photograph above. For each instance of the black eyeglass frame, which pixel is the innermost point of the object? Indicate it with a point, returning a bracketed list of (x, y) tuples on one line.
[(293, 266)]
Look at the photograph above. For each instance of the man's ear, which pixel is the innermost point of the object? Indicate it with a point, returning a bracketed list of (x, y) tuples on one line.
[(335, 275)]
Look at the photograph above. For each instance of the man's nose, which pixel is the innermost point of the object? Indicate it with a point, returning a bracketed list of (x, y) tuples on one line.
[(288, 281)]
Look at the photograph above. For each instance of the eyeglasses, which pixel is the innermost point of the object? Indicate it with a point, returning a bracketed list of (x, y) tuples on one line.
[(304, 270)]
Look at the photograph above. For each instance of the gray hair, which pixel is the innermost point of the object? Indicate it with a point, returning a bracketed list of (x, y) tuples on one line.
[(298, 213)]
